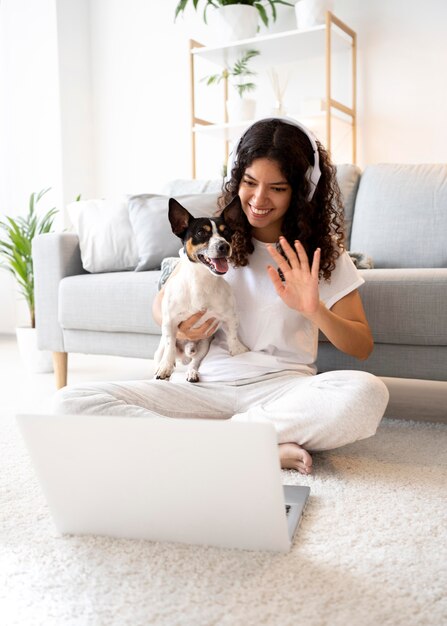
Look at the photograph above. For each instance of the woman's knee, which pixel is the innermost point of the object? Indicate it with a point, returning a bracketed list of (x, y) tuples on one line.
[(83, 399), (360, 386), (373, 390), (368, 399), (357, 409), (66, 401)]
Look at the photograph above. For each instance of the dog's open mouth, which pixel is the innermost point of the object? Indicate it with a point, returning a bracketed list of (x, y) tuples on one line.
[(216, 265)]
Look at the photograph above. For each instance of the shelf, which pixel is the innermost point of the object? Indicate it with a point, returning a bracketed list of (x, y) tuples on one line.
[(276, 48), (331, 119), (231, 131)]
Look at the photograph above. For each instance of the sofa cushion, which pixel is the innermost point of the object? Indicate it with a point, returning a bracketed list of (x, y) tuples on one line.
[(400, 216), (188, 186), (148, 215), (397, 361), (115, 302), (106, 239), (348, 178), (406, 306)]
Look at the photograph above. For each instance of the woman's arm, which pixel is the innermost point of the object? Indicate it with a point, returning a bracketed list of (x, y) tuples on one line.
[(156, 306), (345, 325)]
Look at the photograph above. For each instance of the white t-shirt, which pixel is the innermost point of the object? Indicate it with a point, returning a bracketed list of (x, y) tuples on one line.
[(278, 337)]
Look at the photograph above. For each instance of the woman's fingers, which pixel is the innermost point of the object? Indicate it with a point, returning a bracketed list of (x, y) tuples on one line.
[(191, 321), (316, 264), (188, 329), (277, 282), (279, 259), (297, 259), (292, 257), (302, 256)]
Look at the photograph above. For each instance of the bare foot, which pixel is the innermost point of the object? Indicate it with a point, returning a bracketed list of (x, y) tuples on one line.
[(292, 456)]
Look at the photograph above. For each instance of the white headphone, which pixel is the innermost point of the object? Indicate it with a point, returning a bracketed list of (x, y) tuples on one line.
[(313, 173)]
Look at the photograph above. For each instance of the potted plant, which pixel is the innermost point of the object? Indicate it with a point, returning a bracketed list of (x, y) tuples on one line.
[(16, 236), (240, 108), (235, 19), (310, 13)]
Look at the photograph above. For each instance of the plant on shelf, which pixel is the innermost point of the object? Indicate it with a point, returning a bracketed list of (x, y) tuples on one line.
[(236, 74), (259, 5), (16, 246)]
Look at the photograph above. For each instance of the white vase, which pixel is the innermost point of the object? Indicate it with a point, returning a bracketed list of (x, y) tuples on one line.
[(240, 109), (35, 360), (285, 20), (310, 13), (233, 22)]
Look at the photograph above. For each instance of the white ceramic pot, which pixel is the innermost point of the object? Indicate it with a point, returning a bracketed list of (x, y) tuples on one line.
[(35, 360), (285, 20), (240, 109), (310, 13), (232, 23)]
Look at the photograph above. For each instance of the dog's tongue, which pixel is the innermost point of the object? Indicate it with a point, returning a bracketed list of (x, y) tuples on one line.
[(221, 265)]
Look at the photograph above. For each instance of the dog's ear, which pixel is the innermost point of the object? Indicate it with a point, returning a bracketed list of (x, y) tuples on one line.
[(233, 214), (179, 217)]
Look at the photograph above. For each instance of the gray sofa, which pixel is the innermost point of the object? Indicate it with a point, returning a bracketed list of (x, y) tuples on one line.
[(395, 214)]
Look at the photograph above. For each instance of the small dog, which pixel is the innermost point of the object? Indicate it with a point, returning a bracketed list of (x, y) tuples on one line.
[(197, 285)]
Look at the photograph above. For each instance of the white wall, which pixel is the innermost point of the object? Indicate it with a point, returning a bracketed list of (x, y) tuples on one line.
[(141, 95), (76, 99), (30, 148), (142, 86), (95, 96), (402, 79)]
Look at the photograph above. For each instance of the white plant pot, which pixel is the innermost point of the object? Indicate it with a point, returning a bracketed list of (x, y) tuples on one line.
[(233, 22), (285, 20), (35, 360), (240, 109), (310, 13)]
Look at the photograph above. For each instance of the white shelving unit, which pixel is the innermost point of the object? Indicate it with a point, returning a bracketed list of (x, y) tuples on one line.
[(277, 49)]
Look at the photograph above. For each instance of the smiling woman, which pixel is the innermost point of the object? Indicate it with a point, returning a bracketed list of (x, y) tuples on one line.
[(265, 197), (282, 191), (286, 153)]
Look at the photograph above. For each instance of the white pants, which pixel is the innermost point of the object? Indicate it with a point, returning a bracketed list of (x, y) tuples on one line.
[(318, 412)]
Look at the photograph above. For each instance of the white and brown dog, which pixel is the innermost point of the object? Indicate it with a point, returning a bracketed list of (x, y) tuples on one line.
[(197, 285)]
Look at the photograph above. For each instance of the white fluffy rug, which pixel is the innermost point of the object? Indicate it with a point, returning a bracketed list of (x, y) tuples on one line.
[(371, 550)]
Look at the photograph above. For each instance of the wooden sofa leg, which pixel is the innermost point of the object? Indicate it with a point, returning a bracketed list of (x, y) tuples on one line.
[(60, 361)]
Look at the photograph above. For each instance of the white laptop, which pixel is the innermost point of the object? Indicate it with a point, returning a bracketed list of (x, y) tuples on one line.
[(213, 482)]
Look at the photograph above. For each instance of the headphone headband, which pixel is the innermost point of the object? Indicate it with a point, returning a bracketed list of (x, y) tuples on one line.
[(313, 173)]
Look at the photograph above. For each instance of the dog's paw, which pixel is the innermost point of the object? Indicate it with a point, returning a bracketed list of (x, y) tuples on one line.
[(192, 376), (163, 372), (238, 348)]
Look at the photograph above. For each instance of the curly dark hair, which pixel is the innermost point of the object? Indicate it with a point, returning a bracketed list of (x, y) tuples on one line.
[(317, 223)]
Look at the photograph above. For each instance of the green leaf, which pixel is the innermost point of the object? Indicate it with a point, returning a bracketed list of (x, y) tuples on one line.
[(262, 12), (180, 8), (273, 9), (42, 193)]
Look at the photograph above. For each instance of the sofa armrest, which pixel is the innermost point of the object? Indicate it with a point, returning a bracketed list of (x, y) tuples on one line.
[(55, 256)]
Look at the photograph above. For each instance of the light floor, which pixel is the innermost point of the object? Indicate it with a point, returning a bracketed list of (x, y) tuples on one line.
[(23, 391)]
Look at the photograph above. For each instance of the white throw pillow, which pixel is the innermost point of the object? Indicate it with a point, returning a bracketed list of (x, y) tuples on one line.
[(149, 218), (105, 235)]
